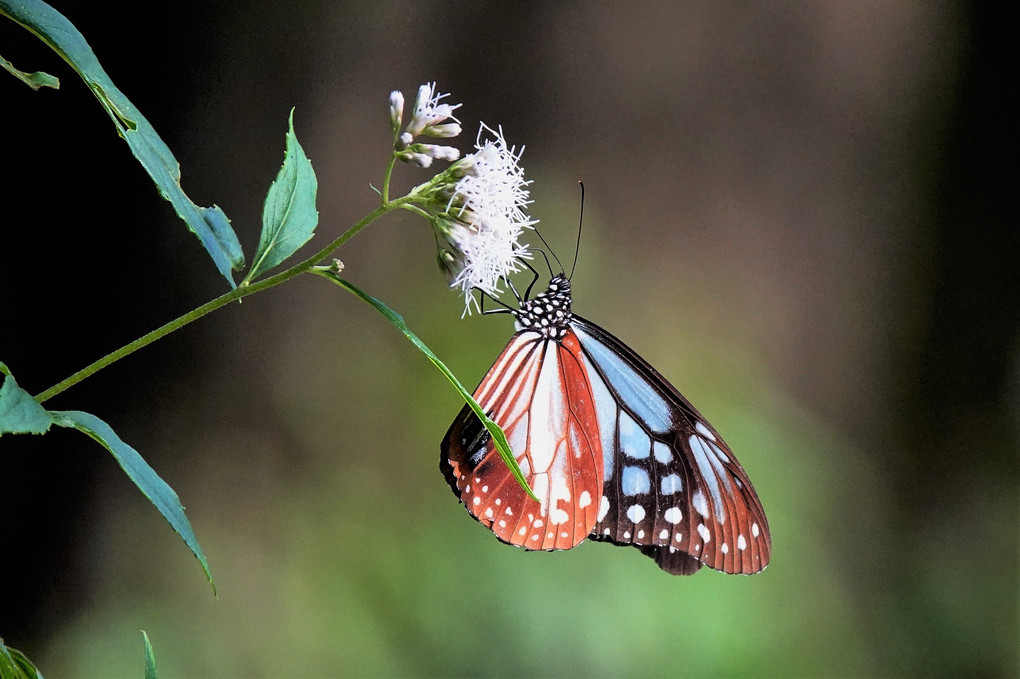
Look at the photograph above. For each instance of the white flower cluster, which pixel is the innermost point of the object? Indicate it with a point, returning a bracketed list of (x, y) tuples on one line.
[(429, 119), (487, 211), (477, 205)]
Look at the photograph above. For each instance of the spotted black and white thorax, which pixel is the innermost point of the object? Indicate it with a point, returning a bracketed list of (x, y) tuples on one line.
[(548, 313)]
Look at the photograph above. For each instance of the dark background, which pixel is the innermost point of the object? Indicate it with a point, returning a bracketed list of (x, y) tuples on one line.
[(796, 211)]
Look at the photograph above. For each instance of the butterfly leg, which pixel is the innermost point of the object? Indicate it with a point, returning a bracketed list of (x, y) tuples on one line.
[(527, 293), (486, 312)]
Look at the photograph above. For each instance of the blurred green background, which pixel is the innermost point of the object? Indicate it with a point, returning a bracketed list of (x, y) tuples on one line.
[(795, 211)]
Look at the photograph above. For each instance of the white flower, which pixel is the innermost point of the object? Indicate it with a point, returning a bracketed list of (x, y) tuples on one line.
[(430, 118), (488, 205), (428, 111)]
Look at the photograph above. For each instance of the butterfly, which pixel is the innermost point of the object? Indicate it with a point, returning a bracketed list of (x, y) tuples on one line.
[(611, 449)]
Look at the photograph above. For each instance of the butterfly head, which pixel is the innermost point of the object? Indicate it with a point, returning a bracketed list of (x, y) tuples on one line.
[(548, 313)]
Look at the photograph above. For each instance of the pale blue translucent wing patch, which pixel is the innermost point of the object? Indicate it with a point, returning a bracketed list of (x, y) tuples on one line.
[(672, 486)]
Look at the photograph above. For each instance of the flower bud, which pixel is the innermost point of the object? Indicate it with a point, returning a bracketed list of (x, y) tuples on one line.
[(438, 152), (445, 130), (396, 109)]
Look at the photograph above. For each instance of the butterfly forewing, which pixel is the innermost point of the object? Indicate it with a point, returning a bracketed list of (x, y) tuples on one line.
[(672, 486), (538, 393)]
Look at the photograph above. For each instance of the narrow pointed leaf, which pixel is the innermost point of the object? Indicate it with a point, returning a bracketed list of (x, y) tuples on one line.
[(19, 413), (150, 658), (139, 471), (289, 216), (209, 224), (498, 437), (35, 80)]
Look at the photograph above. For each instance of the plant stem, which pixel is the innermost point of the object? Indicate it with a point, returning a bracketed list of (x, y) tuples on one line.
[(386, 179), (238, 293)]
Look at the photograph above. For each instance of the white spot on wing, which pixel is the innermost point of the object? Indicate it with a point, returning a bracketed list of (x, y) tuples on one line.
[(703, 532), (754, 529), (603, 508), (664, 534), (741, 543), (636, 513), (584, 500), (673, 515)]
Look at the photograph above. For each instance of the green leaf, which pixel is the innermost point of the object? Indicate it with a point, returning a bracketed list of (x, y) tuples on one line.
[(498, 437), (150, 659), (210, 224), (289, 215), (34, 80), (139, 471), (19, 412), (14, 664)]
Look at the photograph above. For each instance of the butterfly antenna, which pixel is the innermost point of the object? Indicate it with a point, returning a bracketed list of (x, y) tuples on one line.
[(550, 250), (544, 256), (580, 222)]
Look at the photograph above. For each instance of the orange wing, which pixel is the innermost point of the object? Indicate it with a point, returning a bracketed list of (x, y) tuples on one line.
[(538, 392)]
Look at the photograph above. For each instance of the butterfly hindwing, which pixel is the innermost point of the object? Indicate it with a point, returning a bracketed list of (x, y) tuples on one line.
[(538, 393), (672, 487)]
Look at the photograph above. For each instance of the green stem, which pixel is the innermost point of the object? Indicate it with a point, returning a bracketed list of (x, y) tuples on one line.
[(386, 179), (238, 293)]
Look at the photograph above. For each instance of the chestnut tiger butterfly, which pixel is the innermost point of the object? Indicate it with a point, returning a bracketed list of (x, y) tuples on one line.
[(611, 449)]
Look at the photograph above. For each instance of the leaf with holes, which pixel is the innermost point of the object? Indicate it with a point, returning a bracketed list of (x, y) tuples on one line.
[(35, 80)]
